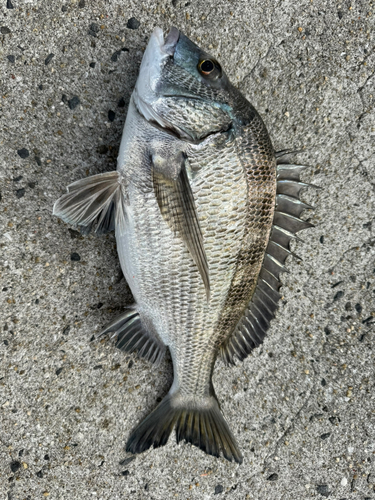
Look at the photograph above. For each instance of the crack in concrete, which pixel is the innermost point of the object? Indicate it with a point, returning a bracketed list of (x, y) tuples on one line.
[(268, 458), (368, 241), (366, 57), (366, 174), (261, 58)]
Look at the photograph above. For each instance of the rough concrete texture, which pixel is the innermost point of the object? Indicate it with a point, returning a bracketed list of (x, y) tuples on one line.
[(302, 405)]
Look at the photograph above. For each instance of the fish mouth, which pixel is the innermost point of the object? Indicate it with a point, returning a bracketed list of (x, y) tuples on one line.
[(167, 45), (171, 40)]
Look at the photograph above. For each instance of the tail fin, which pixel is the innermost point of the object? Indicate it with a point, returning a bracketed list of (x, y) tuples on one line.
[(199, 422)]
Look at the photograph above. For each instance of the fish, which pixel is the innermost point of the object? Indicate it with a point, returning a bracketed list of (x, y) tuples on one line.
[(203, 210)]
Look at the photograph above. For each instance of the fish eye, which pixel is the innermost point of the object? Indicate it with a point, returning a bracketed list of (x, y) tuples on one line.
[(210, 69), (206, 67)]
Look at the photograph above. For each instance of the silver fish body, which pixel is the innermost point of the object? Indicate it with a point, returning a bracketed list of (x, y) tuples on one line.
[(200, 238), (167, 286)]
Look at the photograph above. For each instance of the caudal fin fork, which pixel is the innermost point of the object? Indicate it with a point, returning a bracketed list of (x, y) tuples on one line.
[(199, 423)]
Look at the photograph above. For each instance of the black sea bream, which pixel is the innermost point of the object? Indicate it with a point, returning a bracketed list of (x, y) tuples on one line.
[(203, 216)]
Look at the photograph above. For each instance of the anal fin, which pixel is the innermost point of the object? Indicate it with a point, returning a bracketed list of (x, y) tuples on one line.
[(133, 336)]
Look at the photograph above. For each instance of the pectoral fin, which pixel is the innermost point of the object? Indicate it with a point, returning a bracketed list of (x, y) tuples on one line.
[(95, 203), (176, 201)]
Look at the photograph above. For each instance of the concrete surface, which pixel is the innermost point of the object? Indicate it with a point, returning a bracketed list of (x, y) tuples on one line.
[(302, 406)]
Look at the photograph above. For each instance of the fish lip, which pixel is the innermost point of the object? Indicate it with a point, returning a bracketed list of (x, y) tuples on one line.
[(168, 44), (171, 40)]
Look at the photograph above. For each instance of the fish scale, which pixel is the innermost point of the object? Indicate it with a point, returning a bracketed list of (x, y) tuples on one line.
[(204, 212), (219, 248), (260, 208)]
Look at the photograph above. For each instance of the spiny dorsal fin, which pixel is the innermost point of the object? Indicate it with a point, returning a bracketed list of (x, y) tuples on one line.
[(252, 327), (132, 336)]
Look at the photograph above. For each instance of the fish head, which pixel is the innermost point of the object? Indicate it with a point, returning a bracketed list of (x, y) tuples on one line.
[(184, 89)]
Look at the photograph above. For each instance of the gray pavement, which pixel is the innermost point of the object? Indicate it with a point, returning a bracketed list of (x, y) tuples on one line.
[(302, 405)]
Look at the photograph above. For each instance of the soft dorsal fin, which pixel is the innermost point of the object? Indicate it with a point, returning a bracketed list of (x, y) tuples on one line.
[(252, 327), (176, 202), (95, 203)]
